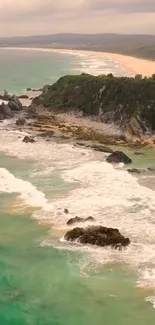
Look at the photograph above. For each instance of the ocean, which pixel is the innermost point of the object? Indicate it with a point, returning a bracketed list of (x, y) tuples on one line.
[(43, 279), (24, 68)]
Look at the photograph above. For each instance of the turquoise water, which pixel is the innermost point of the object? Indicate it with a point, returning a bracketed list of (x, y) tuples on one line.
[(44, 285), (21, 69)]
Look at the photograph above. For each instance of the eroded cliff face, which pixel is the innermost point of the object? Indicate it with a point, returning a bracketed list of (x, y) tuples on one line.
[(129, 102)]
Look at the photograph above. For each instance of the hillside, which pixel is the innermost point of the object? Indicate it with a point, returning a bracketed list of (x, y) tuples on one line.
[(108, 98), (142, 46)]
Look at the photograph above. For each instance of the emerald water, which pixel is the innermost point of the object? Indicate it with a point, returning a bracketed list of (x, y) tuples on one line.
[(24, 68), (44, 280), (45, 285)]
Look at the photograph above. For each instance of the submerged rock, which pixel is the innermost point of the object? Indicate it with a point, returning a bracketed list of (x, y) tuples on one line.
[(47, 134), (28, 140), (98, 235), (66, 211), (119, 157), (74, 220), (79, 220), (90, 219), (20, 121), (151, 169), (101, 148), (134, 170), (138, 153)]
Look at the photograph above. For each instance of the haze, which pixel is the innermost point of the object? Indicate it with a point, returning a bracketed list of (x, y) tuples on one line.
[(32, 17)]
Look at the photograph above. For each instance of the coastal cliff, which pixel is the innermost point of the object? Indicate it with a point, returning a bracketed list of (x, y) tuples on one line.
[(128, 102)]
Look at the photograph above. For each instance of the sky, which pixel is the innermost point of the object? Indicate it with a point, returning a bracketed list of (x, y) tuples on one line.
[(37, 17)]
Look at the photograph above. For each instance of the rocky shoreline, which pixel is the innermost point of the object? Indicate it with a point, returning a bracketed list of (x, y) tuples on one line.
[(40, 122)]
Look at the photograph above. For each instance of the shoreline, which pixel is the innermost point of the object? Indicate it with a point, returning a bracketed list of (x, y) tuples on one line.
[(131, 64)]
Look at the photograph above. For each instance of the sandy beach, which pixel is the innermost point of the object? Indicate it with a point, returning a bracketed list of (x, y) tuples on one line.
[(131, 64)]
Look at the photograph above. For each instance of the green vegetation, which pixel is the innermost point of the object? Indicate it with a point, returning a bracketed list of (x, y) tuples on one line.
[(110, 98)]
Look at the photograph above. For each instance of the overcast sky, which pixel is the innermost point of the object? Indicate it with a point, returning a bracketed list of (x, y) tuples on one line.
[(32, 17)]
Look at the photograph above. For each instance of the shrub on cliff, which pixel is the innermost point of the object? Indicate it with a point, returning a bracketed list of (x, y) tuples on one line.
[(122, 97)]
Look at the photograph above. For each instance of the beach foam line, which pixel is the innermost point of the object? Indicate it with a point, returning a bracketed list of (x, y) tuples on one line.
[(25, 190)]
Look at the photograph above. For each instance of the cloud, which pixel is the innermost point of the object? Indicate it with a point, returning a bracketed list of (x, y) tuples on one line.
[(15, 9), (24, 17), (135, 6)]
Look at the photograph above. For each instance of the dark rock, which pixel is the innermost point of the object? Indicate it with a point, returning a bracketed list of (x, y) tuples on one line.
[(23, 96), (33, 89), (78, 220), (15, 104), (28, 140), (118, 157), (101, 148), (134, 170), (75, 220), (81, 144), (90, 219), (20, 121), (5, 96), (74, 234), (66, 211), (5, 111), (138, 153), (47, 134), (151, 169), (98, 235)]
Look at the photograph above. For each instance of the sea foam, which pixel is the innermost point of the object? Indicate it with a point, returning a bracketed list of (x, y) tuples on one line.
[(25, 190), (112, 196)]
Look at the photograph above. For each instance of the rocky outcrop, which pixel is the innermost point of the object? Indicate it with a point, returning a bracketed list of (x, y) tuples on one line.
[(28, 140), (14, 103), (98, 235), (134, 128), (6, 96), (127, 102), (75, 220), (7, 109), (119, 157), (5, 112)]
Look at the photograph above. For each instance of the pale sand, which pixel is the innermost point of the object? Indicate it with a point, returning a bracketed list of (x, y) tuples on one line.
[(131, 64)]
